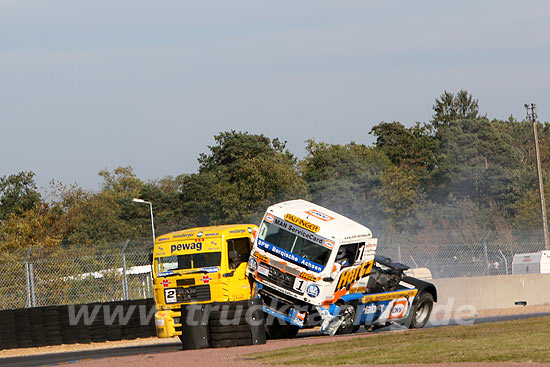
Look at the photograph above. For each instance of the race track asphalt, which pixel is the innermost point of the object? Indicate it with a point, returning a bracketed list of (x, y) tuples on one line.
[(72, 357)]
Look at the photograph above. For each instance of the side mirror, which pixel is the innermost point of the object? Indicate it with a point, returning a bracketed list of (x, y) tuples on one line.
[(151, 258)]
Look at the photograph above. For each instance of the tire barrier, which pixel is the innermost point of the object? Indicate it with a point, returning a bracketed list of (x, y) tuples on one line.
[(70, 324), (222, 325)]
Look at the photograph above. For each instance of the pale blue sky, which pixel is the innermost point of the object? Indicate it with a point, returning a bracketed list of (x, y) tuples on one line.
[(100, 84)]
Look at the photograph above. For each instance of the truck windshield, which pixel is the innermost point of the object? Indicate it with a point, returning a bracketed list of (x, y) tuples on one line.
[(190, 261), (293, 243)]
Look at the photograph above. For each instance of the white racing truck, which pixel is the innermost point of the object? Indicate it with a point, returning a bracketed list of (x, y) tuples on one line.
[(314, 267)]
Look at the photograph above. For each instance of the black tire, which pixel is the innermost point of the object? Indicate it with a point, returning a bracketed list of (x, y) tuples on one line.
[(421, 310), (348, 312), (229, 306), (226, 315), (227, 322), (228, 329), (278, 331), (230, 343), (229, 336)]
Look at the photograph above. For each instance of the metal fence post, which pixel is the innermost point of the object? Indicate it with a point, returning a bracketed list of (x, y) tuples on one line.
[(33, 293), (124, 279), (27, 278)]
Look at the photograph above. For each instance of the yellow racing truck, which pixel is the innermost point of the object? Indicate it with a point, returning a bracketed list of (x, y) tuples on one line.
[(201, 290)]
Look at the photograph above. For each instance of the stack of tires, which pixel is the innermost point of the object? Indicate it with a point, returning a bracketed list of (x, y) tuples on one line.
[(22, 328), (74, 330), (113, 329), (150, 306), (7, 330), (228, 326), (36, 325), (143, 328), (97, 327), (129, 330), (52, 325)]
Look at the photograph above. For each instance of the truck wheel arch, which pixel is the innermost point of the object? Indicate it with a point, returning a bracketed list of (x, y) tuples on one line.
[(422, 286)]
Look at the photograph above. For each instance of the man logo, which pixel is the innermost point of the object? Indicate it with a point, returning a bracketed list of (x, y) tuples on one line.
[(317, 214)]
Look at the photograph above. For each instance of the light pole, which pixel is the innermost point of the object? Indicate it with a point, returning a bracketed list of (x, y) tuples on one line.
[(152, 222), (532, 115)]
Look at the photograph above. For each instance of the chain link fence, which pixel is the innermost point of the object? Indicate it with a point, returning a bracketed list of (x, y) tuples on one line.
[(458, 260), (63, 278)]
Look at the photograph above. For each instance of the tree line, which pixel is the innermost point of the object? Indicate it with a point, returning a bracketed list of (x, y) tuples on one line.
[(459, 178)]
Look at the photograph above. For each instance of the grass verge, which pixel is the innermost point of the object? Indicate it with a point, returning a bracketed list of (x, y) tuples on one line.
[(525, 340)]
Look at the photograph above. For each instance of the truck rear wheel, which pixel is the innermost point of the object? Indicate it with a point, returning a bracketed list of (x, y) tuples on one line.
[(421, 310), (347, 312)]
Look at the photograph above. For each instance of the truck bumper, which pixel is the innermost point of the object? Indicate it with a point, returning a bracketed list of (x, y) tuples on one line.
[(293, 317), (166, 322)]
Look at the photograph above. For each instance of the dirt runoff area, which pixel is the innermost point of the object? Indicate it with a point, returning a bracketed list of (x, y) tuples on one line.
[(236, 356)]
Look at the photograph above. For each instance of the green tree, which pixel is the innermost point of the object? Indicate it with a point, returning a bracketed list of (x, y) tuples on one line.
[(413, 149), (345, 178), (18, 193), (478, 160), (240, 176), (449, 107)]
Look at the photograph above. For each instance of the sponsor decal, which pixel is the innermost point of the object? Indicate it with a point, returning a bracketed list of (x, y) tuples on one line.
[(163, 239), (389, 296), (235, 231), (289, 256), (299, 231), (165, 273), (187, 246), (199, 234), (317, 214), (398, 309), (307, 276), (370, 309), (184, 235), (253, 264), (358, 290), (354, 274), (206, 278), (212, 234), (407, 285), (210, 269), (263, 270), (261, 257), (165, 283), (302, 223), (355, 236), (269, 218), (329, 244), (313, 290)]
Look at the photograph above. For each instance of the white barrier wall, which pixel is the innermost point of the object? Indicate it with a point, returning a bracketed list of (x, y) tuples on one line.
[(490, 292)]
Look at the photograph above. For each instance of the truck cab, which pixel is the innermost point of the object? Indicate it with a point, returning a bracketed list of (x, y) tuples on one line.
[(199, 266), (312, 267)]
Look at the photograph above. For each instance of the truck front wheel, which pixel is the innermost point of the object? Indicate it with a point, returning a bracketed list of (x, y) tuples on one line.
[(275, 330), (421, 310)]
